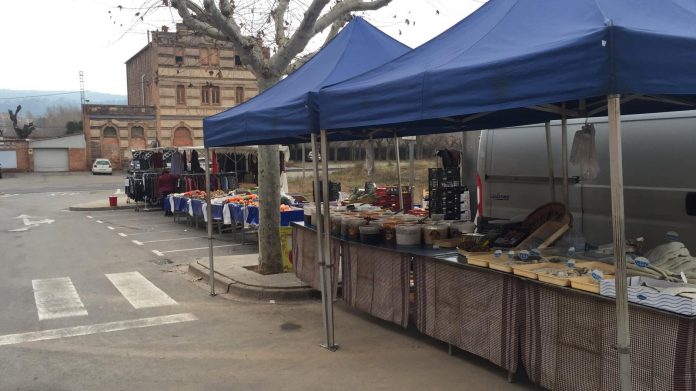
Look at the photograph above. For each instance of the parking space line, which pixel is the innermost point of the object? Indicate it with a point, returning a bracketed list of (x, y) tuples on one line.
[(122, 234), (110, 227), (89, 217), (137, 242), (197, 248), (173, 239), (159, 254), (100, 222), (44, 335), (153, 232)]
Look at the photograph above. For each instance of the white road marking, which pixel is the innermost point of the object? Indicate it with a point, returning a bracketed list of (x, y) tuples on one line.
[(12, 339), (122, 234), (111, 228), (137, 242), (89, 217), (155, 232), (100, 222), (197, 248), (173, 239), (57, 298), (139, 291), (159, 254)]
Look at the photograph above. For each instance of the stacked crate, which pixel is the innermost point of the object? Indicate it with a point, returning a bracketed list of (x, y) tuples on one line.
[(388, 197), (447, 195)]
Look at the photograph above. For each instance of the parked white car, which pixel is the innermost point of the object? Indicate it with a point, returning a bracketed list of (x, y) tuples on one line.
[(101, 166)]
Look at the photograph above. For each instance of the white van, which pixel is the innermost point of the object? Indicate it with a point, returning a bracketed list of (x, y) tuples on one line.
[(659, 163)]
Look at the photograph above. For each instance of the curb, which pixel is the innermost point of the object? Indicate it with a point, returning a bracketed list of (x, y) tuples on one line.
[(226, 285)]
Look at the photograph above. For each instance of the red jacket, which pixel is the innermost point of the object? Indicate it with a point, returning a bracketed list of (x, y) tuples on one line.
[(167, 183)]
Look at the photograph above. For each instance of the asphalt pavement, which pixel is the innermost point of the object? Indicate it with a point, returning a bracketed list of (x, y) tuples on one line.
[(102, 301)]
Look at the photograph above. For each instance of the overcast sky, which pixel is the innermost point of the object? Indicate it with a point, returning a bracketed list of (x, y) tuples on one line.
[(47, 42)]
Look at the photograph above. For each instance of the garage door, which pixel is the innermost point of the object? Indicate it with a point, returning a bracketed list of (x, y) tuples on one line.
[(8, 159), (51, 160)]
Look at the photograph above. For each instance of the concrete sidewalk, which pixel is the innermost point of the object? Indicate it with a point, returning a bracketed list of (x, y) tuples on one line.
[(232, 275), (103, 204)]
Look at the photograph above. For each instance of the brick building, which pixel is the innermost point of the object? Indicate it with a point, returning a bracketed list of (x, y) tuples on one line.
[(174, 82)]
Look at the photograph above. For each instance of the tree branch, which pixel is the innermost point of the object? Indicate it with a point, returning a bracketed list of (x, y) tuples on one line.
[(194, 22), (298, 41), (336, 27), (344, 8), (278, 15)]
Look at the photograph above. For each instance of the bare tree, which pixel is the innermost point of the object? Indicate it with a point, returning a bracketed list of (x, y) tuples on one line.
[(253, 28), (24, 131)]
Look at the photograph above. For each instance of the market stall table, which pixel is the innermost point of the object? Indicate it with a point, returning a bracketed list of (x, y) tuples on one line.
[(563, 337)]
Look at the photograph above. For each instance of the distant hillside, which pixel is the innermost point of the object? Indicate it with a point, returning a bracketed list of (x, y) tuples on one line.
[(37, 102)]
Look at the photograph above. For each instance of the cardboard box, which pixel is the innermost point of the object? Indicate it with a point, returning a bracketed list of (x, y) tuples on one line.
[(637, 293), (286, 248)]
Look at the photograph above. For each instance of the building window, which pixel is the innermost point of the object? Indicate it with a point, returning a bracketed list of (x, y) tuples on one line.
[(215, 57), (239, 95), (180, 94), (215, 95), (237, 61), (179, 56), (137, 132), (109, 131), (210, 95), (205, 95), (204, 56)]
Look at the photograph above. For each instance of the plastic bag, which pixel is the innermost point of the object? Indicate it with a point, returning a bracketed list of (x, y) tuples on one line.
[(584, 152)]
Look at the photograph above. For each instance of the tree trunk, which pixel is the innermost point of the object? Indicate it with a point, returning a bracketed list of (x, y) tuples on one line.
[(270, 259)]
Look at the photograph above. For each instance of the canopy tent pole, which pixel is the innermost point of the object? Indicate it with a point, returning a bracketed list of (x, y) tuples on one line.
[(623, 336), (303, 165), (564, 156), (236, 175), (209, 225), (412, 170), (398, 172), (328, 263), (549, 159), (319, 224)]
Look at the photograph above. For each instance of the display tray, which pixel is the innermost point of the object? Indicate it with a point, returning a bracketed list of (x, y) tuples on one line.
[(481, 259), (504, 265), (587, 283), (446, 243), (535, 272)]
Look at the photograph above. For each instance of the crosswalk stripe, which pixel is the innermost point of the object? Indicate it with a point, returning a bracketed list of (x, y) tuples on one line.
[(57, 298), (139, 291), (45, 335)]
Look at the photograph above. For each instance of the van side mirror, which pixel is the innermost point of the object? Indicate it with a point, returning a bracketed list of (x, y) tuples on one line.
[(691, 204)]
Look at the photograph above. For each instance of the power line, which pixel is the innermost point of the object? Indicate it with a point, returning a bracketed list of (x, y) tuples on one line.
[(39, 96)]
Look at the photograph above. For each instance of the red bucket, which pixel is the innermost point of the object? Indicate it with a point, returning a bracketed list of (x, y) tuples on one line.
[(113, 201)]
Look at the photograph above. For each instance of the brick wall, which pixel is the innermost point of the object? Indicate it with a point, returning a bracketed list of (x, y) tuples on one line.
[(77, 158), (24, 162)]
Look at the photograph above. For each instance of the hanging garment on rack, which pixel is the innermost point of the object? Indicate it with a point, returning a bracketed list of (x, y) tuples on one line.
[(156, 160), (177, 165), (185, 163), (215, 163), (195, 164)]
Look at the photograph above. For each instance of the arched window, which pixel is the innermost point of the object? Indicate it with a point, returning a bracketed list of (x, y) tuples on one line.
[(109, 131), (137, 132), (182, 137)]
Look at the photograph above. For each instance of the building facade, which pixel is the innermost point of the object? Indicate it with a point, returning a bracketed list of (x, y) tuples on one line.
[(174, 82)]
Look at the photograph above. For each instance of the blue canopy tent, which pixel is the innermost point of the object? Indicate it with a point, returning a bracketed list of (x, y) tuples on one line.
[(516, 62), (286, 114)]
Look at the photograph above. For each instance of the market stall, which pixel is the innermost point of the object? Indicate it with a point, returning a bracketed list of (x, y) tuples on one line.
[(522, 62), (287, 113)]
